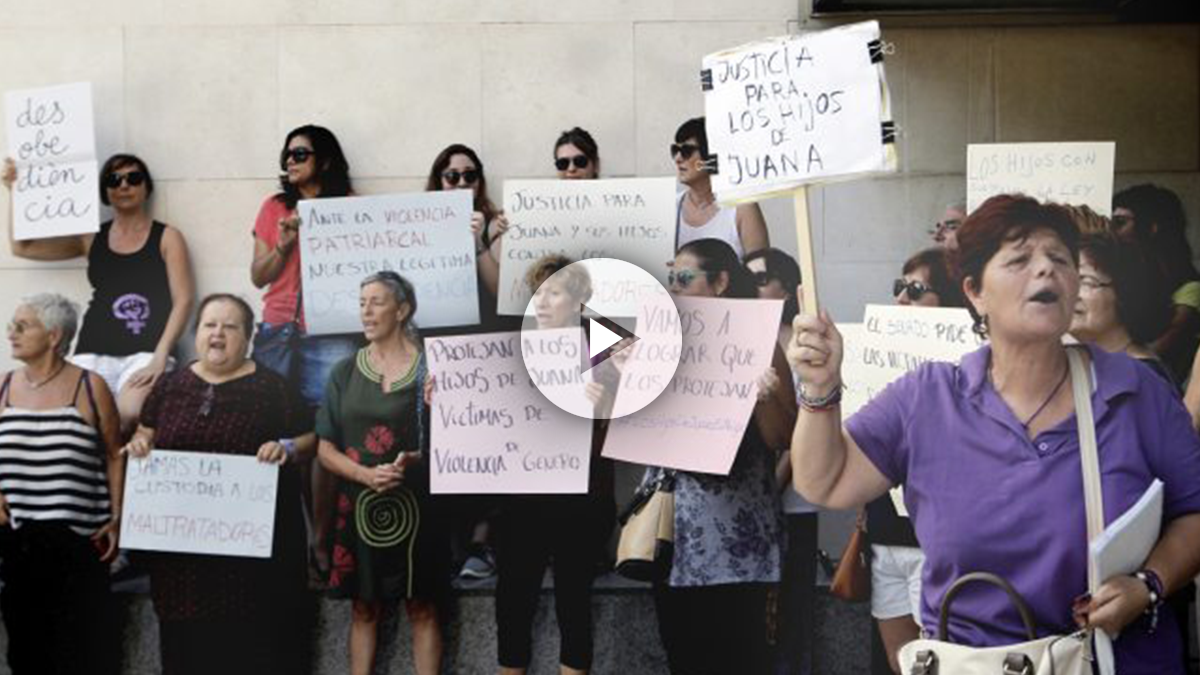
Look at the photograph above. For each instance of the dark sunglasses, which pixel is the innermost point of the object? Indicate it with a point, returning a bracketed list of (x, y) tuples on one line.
[(761, 278), (297, 155), (915, 289), (564, 163), (684, 150), (682, 278), (132, 178), (467, 177)]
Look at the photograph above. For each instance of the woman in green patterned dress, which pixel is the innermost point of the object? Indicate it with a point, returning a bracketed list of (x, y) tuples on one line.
[(388, 545)]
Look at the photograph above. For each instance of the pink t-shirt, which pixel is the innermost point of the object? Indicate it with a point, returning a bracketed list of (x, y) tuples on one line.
[(283, 294)]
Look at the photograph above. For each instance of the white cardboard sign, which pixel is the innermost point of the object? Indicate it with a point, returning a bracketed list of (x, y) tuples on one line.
[(200, 502), (51, 138), (424, 236), (797, 109), (631, 219), (1066, 173)]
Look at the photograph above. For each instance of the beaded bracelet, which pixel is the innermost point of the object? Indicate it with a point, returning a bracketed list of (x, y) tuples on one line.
[(821, 403), (1155, 586)]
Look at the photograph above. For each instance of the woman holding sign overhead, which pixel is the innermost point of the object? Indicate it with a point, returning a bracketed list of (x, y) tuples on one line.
[(142, 287), (217, 613), (698, 216), (987, 448), (313, 166), (389, 540), (712, 610), (60, 500)]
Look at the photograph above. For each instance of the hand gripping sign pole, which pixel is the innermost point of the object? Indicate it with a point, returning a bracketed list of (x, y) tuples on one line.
[(797, 110)]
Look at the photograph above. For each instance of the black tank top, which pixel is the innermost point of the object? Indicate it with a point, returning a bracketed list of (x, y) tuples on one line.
[(131, 297)]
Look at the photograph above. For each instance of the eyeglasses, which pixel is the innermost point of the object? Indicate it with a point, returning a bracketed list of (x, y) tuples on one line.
[(915, 289), (1093, 284), (682, 278), (684, 150), (131, 178), (564, 163), (942, 227), (467, 177), (297, 155)]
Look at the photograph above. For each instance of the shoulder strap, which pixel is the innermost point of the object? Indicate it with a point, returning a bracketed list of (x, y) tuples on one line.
[(1089, 457), (4, 389), (86, 379), (421, 401)]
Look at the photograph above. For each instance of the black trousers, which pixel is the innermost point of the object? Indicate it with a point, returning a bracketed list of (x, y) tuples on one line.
[(59, 613), (714, 630), (797, 596), (279, 645), (565, 532)]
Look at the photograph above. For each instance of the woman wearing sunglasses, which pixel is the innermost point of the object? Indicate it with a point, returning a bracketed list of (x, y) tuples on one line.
[(712, 610), (896, 556), (576, 155), (458, 167), (697, 214), (142, 287), (312, 166)]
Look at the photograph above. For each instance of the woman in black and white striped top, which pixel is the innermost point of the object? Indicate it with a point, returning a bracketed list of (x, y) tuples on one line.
[(61, 479)]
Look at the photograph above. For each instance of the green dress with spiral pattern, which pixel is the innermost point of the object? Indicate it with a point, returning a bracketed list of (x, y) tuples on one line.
[(390, 545)]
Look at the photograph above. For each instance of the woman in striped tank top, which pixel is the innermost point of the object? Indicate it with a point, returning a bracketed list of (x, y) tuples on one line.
[(60, 496)]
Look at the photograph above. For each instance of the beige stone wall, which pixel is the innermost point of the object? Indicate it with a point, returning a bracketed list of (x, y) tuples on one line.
[(205, 91)]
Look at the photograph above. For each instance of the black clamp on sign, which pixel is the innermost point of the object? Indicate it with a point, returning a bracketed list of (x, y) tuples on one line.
[(706, 79), (710, 164), (889, 132), (875, 48)]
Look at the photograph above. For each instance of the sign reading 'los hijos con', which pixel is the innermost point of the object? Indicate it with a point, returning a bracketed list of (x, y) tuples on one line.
[(793, 110), (426, 237), (52, 141), (1067, 173)]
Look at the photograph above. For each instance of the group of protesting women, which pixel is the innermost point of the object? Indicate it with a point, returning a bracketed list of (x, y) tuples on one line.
[(986, 449)]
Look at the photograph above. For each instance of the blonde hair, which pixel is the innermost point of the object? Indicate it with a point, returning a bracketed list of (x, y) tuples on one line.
[(576, 279), (1087, 220)]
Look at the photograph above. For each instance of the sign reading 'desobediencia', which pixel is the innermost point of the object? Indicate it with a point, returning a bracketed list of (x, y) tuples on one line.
[(493, 431), (425, 236), (200, 502), (697, 423), (631, 219), (52, 140), (894, 340), (797, 109), (1066, 173)]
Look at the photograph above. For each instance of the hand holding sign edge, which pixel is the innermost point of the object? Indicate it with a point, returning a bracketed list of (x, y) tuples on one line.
[(815, 353)]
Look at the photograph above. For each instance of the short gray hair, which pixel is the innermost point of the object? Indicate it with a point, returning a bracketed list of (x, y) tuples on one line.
[(401, 289), (55, 312)]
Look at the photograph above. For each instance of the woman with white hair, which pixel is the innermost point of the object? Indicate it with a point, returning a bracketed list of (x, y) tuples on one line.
[(60, 498)]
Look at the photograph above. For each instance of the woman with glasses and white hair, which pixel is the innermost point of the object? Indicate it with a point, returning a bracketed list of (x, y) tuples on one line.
[(389, 541), (142, 286), (60, 499)]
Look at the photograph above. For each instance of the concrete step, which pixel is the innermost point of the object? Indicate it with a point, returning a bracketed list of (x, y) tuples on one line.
[(626, 634)]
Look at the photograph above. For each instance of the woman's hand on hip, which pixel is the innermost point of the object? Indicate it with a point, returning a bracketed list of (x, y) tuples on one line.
[(107, 539), (815, 352)]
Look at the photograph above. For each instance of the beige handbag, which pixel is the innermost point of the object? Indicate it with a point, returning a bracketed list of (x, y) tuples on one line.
[(1054, 655), (647, 541)]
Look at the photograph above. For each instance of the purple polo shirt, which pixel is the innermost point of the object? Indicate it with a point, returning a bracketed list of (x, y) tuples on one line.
[(984, 498)]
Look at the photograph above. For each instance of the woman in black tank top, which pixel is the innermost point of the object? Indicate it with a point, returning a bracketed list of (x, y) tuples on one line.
[(142, 287)]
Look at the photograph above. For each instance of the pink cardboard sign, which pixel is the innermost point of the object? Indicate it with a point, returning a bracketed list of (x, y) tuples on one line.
[(493, 431), (697, 423)]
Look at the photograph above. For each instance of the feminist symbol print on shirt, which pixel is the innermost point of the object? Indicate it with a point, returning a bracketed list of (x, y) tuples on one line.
[(134, 310)]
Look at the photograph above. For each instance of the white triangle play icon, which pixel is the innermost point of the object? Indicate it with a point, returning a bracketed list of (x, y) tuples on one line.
[(600, 338)]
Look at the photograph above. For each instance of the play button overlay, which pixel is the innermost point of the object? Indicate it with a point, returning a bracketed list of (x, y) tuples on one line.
[(604, 337), (601, 338)]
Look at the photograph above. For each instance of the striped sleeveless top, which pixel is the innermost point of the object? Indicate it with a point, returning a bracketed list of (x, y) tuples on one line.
[(52, 466)]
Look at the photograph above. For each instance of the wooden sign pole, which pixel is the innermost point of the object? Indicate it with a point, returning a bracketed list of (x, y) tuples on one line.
[(804, 247)]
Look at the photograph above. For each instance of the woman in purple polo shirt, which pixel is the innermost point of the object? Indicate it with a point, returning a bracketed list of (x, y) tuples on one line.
[(988, 450)]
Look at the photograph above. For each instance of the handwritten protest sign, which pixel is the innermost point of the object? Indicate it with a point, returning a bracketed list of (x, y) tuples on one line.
[(493, 430), (191, 502), (631, 219), (51, 139), (426, 237), (1067, 173), (792, 110), (855, 372), (697, 423)]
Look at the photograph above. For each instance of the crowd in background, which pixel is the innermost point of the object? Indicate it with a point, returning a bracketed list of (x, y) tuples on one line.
[(346, 419)]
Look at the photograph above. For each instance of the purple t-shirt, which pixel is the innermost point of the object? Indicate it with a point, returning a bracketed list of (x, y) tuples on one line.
[(984, 498)]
